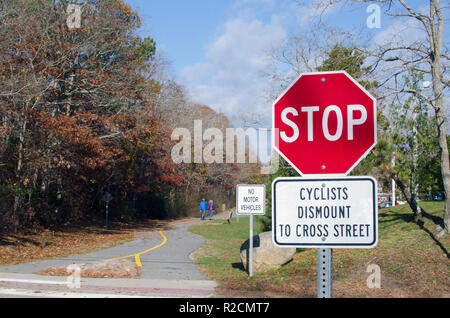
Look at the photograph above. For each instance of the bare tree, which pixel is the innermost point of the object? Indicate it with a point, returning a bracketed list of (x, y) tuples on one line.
[(426, 55), (423, 51), (302, 52)]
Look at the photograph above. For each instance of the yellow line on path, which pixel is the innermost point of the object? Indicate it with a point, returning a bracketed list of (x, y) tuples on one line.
[(137, 255)]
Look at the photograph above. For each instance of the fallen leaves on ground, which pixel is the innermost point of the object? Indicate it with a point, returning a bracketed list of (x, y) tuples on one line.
[(43, 244), (106, 269)]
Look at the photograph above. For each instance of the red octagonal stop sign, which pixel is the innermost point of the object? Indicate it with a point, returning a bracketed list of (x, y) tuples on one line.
[(325, 123)]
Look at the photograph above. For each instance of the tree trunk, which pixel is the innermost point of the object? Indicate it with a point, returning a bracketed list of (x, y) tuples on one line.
[(18, 196), (417, 210), (445, 164), (436, 45)]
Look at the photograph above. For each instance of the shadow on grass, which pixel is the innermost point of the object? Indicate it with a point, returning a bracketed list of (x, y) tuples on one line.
[(420, 223), (395, 217), (113, 228), (15, 240), (411, 218), (94, 227), (239, 266), (435, 219)]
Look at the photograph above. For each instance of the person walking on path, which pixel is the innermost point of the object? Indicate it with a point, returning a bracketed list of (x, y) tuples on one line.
[(203, 208), (211, 209)]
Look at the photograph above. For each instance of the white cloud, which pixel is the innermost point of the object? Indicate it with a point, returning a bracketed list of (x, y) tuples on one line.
[(230, 78), (402, 37), (307, 13), (401, 32)]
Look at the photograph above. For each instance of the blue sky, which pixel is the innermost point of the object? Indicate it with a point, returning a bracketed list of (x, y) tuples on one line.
[(181, 28), (219, 48)]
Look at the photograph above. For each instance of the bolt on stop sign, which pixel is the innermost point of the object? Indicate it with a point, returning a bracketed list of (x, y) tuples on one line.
[(325, 123)]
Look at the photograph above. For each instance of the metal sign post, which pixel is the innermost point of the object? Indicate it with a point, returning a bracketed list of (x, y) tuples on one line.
[(107, 212), (107, 197), (250, 262), (324, 273)]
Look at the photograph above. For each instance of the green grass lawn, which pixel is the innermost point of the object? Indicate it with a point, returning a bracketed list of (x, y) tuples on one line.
[(414, 262)]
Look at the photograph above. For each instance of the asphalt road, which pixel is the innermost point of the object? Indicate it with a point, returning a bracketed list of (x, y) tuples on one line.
[(166, 271)]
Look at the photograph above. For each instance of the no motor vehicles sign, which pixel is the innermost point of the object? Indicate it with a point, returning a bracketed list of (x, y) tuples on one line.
[(250, 199), (331, 212)]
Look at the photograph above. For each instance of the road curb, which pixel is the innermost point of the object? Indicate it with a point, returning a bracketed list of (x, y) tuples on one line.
[(126, 287)]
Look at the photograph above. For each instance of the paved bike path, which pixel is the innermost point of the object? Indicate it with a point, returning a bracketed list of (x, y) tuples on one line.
[(167, 270), (169, 261)]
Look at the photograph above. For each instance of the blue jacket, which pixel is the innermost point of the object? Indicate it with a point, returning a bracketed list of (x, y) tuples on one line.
[(203, 205)]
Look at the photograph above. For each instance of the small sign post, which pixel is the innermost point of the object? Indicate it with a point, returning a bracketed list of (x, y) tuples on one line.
[(250, 200), (325, 273), (107, 197)]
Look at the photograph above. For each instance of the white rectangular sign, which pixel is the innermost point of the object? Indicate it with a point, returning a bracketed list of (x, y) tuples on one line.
[(250, 199), (325, 213)]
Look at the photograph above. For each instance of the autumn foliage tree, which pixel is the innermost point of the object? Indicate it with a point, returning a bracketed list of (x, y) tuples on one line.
[(85, 110), (76, 109)]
